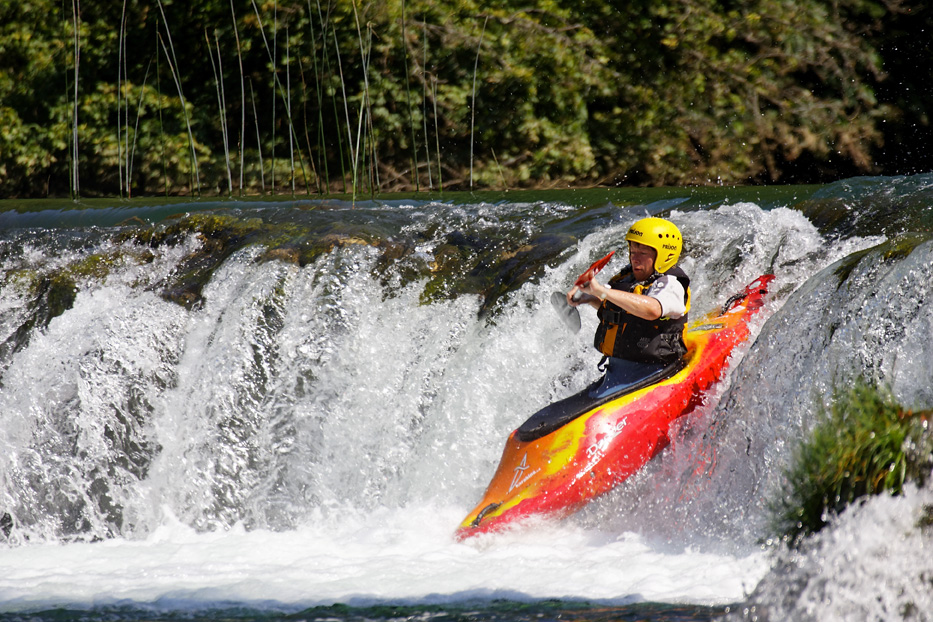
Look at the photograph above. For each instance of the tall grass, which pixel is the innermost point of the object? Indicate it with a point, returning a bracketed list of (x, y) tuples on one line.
[(424, 100), (131, 157), (239, 55), (352, 134), (221, 103), (76, 19), (126, 116), (318, 91), (161, 120), (346, 110), (282, 91), (365, 104), (473, 97), (374, 181), (262, 172), (121, 50), (334, 103), (288, 106), (173, 65), (437, 135), (304, 118), (411, 121)]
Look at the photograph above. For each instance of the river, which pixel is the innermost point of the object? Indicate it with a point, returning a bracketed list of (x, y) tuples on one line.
[(282, 408)]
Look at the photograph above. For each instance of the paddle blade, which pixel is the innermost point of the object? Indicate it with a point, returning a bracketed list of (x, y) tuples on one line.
[(568, 315), (587, 276)]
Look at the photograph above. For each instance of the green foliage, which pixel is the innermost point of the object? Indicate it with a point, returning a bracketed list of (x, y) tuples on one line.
[(866, 445), (381, 94)]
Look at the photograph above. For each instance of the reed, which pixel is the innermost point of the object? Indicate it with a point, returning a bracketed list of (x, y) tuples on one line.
[(353, 134), (424, 100), (304, 118), (139, 108), (411, 119), (76, 20), (277, 86), (294, 139), (161, 121), (221, 104), (293, 131), (359, 127), (346, 110), (318, 91), (239, 55), (126, 116), (374, 183), (345, 157), (262, 173), (288, 106), (173, 64), (473, 97), (437, 135), (121, 48), (273, 56), (499, 169)]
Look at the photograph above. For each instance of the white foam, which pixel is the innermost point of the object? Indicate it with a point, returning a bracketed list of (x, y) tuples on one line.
[(405, 556)]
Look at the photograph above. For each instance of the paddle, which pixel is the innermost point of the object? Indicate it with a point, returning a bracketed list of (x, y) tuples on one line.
[(569, 315)]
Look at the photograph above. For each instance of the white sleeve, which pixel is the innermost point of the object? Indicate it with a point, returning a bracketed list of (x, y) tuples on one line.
[(670, 293)]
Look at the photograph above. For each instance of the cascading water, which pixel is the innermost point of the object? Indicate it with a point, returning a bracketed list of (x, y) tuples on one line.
[(286, 383)]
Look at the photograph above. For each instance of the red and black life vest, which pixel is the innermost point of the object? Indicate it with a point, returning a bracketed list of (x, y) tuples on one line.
[(623, 335)]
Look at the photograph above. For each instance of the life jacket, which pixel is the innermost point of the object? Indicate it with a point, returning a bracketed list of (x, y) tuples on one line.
[(623, 335)]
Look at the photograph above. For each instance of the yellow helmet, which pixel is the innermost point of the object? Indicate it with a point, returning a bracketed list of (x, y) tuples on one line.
[(661, 235)]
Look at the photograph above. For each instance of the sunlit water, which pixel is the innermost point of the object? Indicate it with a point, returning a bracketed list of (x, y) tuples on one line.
[(311, 433)]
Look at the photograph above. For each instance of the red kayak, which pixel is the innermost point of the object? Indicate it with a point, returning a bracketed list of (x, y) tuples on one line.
[(585, 445)]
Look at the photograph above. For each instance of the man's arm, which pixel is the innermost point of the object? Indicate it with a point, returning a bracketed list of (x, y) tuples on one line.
[(642, 306)]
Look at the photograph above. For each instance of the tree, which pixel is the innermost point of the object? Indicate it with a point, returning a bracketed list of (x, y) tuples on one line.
[(360, 96)]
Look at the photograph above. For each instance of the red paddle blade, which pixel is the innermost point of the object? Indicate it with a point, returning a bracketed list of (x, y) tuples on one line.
[(587, 276)]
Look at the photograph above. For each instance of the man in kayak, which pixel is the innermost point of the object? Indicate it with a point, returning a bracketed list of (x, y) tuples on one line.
[(642, 310)]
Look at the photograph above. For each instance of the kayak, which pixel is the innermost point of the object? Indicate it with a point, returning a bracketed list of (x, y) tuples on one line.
[(574, 450)]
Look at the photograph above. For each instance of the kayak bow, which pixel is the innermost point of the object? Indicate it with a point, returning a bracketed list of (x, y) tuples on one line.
[(552, 467)]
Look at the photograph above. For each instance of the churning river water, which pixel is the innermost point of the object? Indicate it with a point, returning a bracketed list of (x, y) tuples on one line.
[(282, 409)]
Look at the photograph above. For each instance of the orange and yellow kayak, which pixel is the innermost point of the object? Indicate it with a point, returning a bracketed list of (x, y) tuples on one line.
[(577, 449)]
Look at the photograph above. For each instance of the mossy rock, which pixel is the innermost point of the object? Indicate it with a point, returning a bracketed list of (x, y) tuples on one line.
[(894, 249), (464, 264), (492, 272), (223, 234)]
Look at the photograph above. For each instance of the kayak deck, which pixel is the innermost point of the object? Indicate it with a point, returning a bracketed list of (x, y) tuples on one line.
[(560, 413)]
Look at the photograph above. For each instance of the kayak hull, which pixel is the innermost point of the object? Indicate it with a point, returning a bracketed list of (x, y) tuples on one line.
[(559, 472)]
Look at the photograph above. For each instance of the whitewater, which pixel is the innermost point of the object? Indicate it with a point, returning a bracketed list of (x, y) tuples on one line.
[(303, 433)]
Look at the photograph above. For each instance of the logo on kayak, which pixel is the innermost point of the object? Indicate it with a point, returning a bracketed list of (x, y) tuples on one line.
[(597, 450), (520, 477)]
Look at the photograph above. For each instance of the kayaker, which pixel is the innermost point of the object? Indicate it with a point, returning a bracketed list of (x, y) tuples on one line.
[(642, 310)]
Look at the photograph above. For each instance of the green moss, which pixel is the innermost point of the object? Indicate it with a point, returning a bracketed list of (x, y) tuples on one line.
[(845, 267), (903, 245), (60, 293), (866, 444), (94, 267), (470, 266), (894, 249), (223, 234), (465, 264)]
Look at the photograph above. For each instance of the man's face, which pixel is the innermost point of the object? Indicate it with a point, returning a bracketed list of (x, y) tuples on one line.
[(642, 259)]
